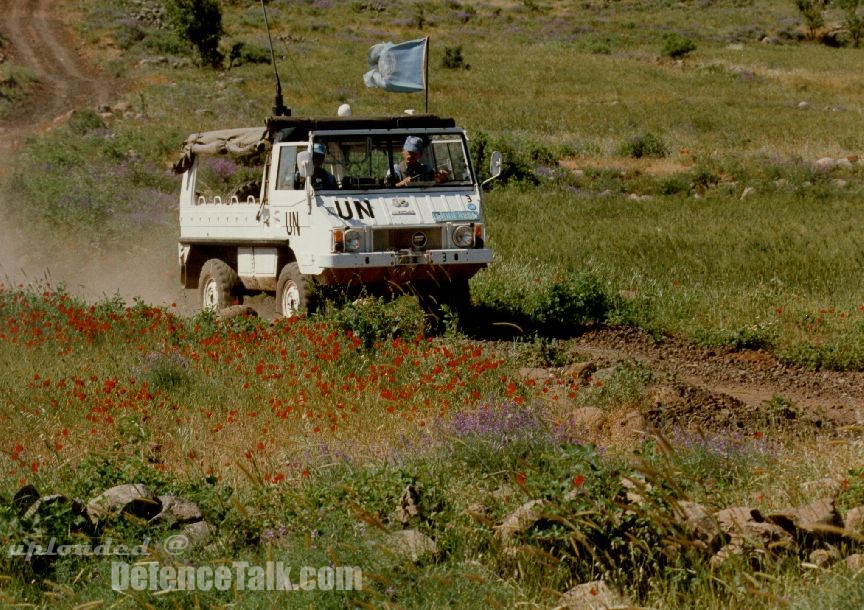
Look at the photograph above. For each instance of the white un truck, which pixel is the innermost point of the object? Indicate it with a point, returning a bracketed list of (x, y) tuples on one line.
[(388, 204)]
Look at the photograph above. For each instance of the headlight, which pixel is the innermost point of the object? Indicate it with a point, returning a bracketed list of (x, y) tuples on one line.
[(353, 241), (463, 236)]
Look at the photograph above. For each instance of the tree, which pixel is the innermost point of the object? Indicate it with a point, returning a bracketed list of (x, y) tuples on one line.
[(854, 21), (199, 22), (811, 10)]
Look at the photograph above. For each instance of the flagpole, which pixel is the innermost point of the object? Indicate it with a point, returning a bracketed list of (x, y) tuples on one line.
[(426, 72)]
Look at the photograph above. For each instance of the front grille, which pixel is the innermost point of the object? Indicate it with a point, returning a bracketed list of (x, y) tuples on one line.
[(404, 239)]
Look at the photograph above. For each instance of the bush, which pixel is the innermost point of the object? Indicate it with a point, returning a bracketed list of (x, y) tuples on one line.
[(677, 46), (852, 20), (644, 145), (811, 11), (453, 59), (373, 319), (199, 22)]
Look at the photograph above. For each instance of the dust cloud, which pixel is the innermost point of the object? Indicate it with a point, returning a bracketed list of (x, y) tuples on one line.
[(144, 266)]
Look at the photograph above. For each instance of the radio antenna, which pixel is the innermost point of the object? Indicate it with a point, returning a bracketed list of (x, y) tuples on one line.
[(279, 108)]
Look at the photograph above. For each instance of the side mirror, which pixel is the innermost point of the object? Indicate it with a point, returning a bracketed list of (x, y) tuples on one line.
[(496, 161), (304, 163)]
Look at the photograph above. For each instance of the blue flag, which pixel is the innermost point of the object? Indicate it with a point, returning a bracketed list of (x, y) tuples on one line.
[(398, 67)]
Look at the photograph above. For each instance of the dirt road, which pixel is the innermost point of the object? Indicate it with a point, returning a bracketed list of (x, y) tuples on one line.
[(40, 41), (718, 388)]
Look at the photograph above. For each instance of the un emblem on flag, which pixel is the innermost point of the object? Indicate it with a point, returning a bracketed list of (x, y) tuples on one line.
[(387, 65)]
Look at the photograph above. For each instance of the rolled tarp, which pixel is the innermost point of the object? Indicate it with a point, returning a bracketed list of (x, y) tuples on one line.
[(241, 141)]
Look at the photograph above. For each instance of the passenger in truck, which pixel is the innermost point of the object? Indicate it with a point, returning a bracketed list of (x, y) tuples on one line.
[(412, 169), (321, 178)]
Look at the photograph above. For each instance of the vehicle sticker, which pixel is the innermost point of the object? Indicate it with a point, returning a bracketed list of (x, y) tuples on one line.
[(472, 207), (442, 216)]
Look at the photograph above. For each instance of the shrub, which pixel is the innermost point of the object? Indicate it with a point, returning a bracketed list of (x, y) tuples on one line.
[(854, 22), (199, 22), (677, 46), (644, 145), (373, 319), (568, 305), (453, 59), (811, 11)]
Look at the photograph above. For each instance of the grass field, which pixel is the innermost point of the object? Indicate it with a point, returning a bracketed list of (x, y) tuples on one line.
[(298, 440)]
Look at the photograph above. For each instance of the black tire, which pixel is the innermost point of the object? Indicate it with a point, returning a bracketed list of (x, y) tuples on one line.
[(295, 292), (218, 285)]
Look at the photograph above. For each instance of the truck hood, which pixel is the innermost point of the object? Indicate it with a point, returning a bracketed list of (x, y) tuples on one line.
[(401, 209)]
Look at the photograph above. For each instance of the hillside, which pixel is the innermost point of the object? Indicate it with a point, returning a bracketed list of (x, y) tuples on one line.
[(660, 385)]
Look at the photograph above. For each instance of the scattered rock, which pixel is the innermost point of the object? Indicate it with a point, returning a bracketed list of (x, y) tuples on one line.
[(803, 105), (407, 508), (519, 521), (594, 595), (198, 534), (177, 510), (772, 40), (413, 545), (580, 370), (843, 163), (824, 557), (825, 164), (133, 499), (701, 524), (854, 521), (840, 183), (236, 310), (628, 295), (504, 493), (817, 518), (748, 192), (855, 562)]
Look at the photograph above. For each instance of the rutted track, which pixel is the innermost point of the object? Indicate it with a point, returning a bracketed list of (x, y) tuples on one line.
[(41, 42), (748, 378)]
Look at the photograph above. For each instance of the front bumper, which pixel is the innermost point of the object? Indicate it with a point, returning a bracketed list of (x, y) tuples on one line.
[(401, 266)]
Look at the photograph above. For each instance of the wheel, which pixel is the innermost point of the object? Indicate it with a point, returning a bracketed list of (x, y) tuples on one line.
[(294, 292), (218, 285)]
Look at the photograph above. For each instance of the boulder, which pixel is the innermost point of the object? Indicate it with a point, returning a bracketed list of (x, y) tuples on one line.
[(854, 522), (519, 521), (818, 517), (133, 499), (701, 524), (177, 510), (198, 533), (413, 545)]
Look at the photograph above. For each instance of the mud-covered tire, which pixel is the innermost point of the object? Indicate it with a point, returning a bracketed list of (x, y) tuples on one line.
[(218, 285), (295, 292)]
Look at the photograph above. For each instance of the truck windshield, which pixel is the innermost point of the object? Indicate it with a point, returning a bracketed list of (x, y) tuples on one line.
[(386, 161)]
